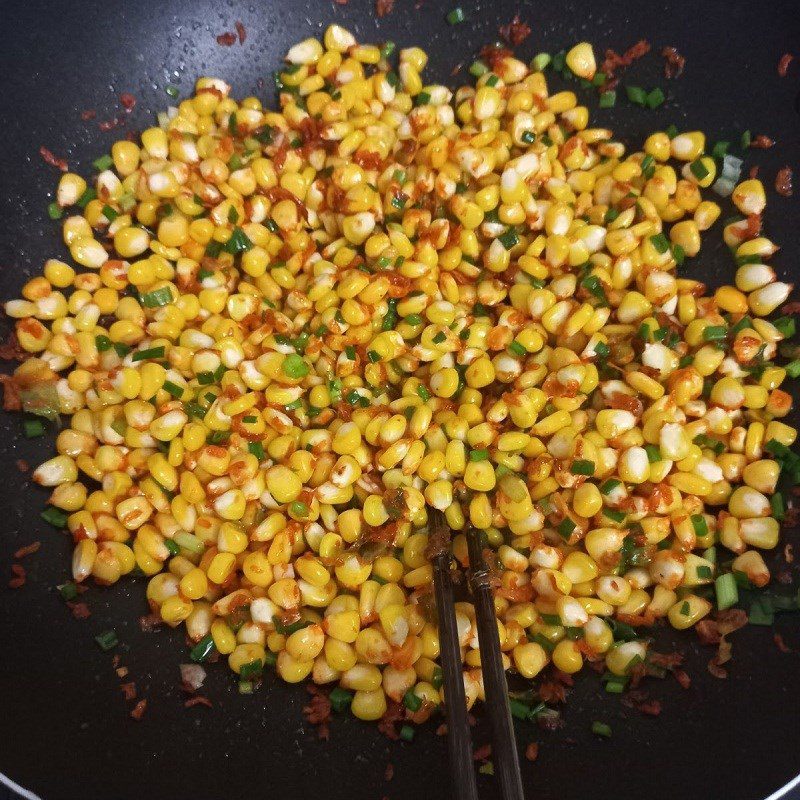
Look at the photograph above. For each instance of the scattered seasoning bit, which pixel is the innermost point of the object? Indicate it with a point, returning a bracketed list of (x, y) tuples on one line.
[(20, 576), (79, 610), (532, 751), (516, 32), (128, 690), (241, 31), (780, 644), (383, 7), (226, 39), (614, 61), (388, 773), (783, 182), (783, 64), (88, 114), (52, 160), (138, 710), (198, 700), (762, 142), (128, 101), (28, 550), (674, 62)]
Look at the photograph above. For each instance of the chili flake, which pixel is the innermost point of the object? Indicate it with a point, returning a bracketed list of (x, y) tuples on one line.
[(516, 32), (52, 160), (783, 182), (783, 64), (226, 39)]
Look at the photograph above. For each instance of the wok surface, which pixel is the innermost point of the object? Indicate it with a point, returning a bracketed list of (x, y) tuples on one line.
[(64, 726)]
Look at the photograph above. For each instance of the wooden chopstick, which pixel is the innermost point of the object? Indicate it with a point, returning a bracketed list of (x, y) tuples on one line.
[(504, 746), (459, 740)]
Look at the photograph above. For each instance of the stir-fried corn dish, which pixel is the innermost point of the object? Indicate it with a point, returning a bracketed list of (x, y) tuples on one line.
[(285, 336)]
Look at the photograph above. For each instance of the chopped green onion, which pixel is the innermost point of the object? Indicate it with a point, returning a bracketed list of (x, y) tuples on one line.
[(257, 449), (298, 509), (54, 211), (107, 640), (541, 61), (203, 649), (565, 527), (746, 139), (636, 95), (55, 517), (610, 485), (704, 571), (33, 428), (698, 169), (103, 163), (601, 729), (786, 325), (411, 701), (602, 349), (726, 591), (714, 333), (655, 98), (778, 507), (172, 388), (157, 298), (528, 137), (793, 369), (478, 68), (423, 392), (253, 669), (582, 467), (679, 254), (653, 453), (608, 99), (238, 242), (109, 213), (439, 338), (660, 242), (672, 131), (615, 516), (406, 731), (478, 455), (68, 591), (720, 150), (294, 367), (87, 197), (340, 699), (761, 612), (509, 239), (699, 524), (456, 16), (152, 352), (517, 349)]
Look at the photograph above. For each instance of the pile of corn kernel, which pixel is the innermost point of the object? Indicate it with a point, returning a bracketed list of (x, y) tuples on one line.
[(291, 333)]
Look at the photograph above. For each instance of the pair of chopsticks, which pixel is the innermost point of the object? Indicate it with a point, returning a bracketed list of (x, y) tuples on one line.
[(504, 747)]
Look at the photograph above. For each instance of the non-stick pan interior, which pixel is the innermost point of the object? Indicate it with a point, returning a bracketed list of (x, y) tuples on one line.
[(64, 726)]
